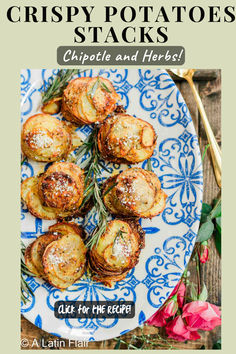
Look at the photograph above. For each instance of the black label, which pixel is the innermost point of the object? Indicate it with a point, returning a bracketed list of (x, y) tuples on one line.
[(117, 55), (94, 309)]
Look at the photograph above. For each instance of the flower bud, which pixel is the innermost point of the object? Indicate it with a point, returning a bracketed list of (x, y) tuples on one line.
[(203, 252), (170, 307)]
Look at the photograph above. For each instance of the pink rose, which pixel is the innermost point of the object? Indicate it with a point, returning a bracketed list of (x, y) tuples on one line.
[(170, 307), (176, 329), (201, 315), (157, 319), (180, 290)]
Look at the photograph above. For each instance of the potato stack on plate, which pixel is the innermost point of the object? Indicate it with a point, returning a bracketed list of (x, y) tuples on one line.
[(117, 251), (57, 193), (135, 192), (126, 139), (45, 138), (58, 256), (88, 100)]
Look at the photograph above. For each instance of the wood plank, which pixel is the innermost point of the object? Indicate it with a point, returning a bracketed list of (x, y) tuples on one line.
[(211, 271), (199, 75)]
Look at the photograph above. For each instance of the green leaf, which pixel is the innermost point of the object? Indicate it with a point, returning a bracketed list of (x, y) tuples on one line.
[(204, 152), (206, 208), (205, 231), (204, 293), (217, 234), (218, 221), (216, 211), (117, 346), (217, 345)]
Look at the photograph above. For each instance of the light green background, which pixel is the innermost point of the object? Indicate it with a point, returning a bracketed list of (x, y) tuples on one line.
[(34, 45)]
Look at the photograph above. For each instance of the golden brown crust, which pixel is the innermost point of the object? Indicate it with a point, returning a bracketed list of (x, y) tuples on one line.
[(53, 106), (117, 251), (88, 100), (70, 100), (136, 193), (62, 186), (60, 263), (126, 139), (37, 249), (57, 193), (65, 228), (45, 138), (64, 260), (26, 186), (28, 261)]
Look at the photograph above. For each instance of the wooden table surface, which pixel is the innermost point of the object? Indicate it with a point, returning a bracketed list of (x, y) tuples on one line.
[(208, 83)]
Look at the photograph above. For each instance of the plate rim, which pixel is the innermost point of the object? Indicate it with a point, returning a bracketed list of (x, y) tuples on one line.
[(196, 226)]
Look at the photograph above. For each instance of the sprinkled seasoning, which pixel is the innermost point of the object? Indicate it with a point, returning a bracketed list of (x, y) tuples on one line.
[(61, 185), (40, 140), (55, 259), (121, 247)]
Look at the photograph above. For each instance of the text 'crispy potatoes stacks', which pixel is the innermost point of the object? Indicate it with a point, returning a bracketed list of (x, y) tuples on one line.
[(135, 193), (58, 256), (126, 139), (57, 193), (45, 138), (88, 100), (117, 251)]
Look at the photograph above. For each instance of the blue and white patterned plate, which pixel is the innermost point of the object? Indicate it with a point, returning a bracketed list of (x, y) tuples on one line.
[(152, 96)]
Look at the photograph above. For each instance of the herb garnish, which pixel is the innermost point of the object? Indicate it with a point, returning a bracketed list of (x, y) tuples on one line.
[(110, 188), (120, 235), (58, 84), (143, 341), (25, 289), (23, 161), (98, 83), (92, 167), (149, 165)]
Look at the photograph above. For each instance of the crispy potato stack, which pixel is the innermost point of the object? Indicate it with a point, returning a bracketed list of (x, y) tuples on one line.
[(58, 256), (126, 139), (117, 251), (45, 138), (57, 193), (88, 100), (136, 192)]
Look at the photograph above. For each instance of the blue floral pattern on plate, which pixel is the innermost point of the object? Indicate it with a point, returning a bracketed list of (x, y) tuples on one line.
[(170, 237)]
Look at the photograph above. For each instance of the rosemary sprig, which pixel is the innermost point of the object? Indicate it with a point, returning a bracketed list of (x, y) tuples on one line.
[(98, 83), (120, 235), (92, 167), (144, 341), (110, 188), (149, 165), (23, 161), (25, 289), (58, 84), (91, 93), (105, 87)]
